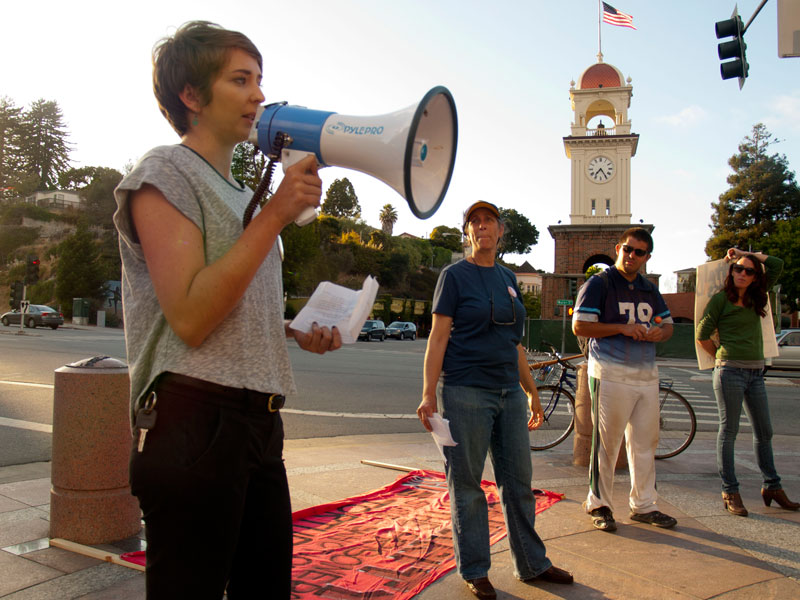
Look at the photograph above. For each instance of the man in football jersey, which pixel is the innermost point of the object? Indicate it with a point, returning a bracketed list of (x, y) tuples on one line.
[(623, 315)]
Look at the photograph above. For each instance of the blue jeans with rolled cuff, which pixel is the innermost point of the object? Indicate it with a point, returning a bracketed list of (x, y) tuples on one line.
[(734, 388), (492, 421)]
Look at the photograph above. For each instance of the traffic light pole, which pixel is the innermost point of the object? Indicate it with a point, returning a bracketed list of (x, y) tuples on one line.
[(758, 10), (23, 310)]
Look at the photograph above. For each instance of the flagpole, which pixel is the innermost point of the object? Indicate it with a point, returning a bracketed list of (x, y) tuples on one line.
[(599, 26)]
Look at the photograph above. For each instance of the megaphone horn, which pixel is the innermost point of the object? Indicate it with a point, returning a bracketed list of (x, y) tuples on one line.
[(413, 150)]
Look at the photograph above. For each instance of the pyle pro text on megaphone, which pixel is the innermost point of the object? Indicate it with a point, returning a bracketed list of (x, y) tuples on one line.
[(413, 150)]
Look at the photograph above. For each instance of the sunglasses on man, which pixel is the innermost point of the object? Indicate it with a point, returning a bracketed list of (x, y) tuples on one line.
[(742, 269), (637, 251)]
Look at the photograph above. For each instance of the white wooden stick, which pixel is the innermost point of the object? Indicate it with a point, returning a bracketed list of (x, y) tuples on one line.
[(373, 463), (94, 553)]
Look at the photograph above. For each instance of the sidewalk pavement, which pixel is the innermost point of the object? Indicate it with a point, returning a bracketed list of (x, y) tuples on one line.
[(710, 554)]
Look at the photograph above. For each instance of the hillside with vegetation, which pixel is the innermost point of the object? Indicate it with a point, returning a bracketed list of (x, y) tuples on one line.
[(78, 245)]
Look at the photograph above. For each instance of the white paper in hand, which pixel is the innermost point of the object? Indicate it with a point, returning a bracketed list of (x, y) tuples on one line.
[(441, 433), (334, 305)]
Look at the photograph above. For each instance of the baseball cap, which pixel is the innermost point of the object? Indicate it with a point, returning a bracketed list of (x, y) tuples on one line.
[(475, 206)]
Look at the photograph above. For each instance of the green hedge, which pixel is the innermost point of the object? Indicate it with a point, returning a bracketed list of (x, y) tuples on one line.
[(680, 345)]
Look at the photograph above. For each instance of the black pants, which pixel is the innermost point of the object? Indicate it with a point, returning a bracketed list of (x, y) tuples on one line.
[(212, 487)]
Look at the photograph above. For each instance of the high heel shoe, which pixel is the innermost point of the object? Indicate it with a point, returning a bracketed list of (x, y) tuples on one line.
[(780, 497), (733, 504)]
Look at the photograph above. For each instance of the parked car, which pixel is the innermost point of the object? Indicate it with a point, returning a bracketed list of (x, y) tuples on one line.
[(37, 315), (788, 351), (402, 330), (373, 330)]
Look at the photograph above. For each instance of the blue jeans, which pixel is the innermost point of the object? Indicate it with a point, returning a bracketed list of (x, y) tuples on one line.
[(732, 388), (493, 421)]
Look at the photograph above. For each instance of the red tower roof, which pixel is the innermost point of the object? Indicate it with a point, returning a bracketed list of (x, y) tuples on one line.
[(600, 75)]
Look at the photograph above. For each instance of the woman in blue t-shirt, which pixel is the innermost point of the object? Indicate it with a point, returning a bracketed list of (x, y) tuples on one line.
[(485, 392)]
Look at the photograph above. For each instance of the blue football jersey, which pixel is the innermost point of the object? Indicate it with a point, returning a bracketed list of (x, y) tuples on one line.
[(617, 300)]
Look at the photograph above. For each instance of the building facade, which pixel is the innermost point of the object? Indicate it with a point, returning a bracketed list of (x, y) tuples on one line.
[(56, 199)]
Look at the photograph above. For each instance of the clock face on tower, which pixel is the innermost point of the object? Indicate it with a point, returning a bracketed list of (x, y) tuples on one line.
[(600, 169)]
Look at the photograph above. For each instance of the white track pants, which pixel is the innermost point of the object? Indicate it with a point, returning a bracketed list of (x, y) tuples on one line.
[(621, 410)]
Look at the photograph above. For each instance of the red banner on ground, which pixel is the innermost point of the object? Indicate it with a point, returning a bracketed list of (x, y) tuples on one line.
[(388, 543)]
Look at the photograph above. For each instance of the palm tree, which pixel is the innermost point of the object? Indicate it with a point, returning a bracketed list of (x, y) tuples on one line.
[(388, 218)]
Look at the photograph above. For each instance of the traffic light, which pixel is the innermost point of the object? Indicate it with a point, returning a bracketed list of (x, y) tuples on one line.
[(32, 270), (573, 288), (733, 49), (16, 294)]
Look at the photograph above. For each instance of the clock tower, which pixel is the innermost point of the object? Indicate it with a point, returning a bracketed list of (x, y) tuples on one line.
[(600, 147), (600, 150)]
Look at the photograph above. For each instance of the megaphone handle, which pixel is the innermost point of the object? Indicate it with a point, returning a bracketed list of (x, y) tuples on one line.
[(288, 158)]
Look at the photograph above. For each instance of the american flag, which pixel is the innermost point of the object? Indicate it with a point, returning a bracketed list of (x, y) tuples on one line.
[(616, 17)]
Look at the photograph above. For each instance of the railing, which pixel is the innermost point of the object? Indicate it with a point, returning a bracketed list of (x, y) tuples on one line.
[(601, 131)]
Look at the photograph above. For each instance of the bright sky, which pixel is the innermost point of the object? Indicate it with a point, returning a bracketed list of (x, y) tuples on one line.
[(507, 63)]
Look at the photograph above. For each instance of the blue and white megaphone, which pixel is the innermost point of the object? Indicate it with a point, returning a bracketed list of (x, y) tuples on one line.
[(413, 150)]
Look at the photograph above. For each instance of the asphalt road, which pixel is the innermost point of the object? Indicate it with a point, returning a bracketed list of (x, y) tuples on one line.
[(367, 387)]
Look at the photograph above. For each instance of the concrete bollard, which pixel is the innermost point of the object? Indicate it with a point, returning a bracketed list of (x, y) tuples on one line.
[(90, 498), (582, 443)]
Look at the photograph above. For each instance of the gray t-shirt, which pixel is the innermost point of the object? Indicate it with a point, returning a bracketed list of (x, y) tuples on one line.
[(248, 349)]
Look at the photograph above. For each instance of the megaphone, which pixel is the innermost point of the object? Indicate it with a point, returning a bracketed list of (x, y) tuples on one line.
[(413, 150)]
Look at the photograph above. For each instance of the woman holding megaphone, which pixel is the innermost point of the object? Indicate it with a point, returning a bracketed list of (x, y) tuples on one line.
[(485, 392), (205, 334)]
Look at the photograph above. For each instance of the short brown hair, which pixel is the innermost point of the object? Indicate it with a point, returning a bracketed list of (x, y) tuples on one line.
[(638, 233), (193, 56)]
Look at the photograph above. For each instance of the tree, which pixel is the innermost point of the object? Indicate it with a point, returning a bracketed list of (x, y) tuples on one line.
[(520, 234), (341, 200), (378, 240), (388, 218), (593, 270), (44, 147), (10, 147), (763, 193), (302, 257), (533, 305), (784, 242), (78, 272), (447, 237), (96, 186), (395, 270), (248, 164)]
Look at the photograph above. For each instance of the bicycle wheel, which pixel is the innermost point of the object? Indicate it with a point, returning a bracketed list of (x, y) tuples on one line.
[(677, 423), (559, 412)]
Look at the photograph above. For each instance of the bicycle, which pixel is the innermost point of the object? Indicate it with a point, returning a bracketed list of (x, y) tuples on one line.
[(677, 420), (557, 400)]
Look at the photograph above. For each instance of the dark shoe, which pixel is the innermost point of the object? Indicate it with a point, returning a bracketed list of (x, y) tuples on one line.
[(553, 575), (482, 588), (780, 497), (603, 519), (733, 504), (656, 518)]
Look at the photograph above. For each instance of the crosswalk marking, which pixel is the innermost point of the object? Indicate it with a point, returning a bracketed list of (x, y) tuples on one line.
[(705, 408), (29, 425)]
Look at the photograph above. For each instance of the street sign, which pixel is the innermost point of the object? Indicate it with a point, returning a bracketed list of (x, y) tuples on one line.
[(564, 302)]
